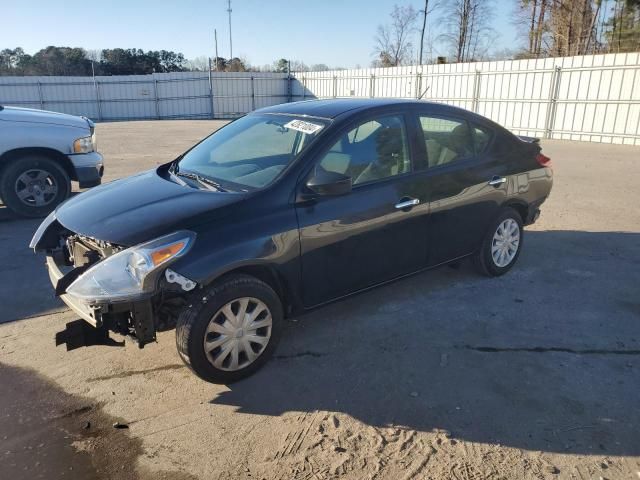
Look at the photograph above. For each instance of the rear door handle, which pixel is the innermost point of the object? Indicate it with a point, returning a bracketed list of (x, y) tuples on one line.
[(412, 202), (496, 180)]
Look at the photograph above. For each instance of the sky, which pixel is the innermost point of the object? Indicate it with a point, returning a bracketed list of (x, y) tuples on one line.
[(339, 33)]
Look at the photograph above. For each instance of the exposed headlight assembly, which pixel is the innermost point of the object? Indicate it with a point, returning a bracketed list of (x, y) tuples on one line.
[(130, 273)]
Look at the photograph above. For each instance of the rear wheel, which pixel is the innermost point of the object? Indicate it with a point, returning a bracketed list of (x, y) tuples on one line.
[(34, 185), (231, 330), (502, 244)]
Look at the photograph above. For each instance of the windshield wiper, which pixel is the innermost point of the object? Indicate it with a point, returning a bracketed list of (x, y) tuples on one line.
[(208, 183)]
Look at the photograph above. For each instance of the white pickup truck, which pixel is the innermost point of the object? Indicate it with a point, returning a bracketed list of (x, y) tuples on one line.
[(40, 153)]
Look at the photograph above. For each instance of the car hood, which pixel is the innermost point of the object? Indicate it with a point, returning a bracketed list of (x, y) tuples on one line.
[(139, 208), (17, 114)]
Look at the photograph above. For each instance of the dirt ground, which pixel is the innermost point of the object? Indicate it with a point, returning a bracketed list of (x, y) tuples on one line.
[(445, 375)]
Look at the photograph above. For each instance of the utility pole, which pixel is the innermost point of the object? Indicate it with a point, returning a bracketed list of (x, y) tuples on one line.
[(424, 26), (230, 40), (215, 36)]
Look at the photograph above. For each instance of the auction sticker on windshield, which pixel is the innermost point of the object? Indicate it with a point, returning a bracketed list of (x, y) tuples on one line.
[(304, 127)]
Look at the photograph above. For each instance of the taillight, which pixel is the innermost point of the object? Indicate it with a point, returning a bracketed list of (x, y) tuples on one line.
[(543, 160)]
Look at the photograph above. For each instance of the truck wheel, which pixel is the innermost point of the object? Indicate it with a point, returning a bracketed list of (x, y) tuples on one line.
[(34, 185), (230, 330), (502, 244)]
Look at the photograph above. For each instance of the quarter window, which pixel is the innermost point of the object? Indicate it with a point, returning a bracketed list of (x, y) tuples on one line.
[(372, 151), (446, 140), (481, 137)]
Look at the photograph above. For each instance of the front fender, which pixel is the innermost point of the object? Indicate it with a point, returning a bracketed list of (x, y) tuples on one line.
[(220, 250)]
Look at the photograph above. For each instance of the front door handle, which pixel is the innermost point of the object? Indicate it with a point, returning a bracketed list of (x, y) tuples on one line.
[(496, 180), (409, 203)]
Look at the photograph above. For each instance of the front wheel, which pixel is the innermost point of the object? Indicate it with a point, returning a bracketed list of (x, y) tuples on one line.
[(229, 331), (34, 185), (502, 244)]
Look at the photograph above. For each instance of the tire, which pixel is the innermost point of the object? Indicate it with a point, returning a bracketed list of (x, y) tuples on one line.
[(49, 183), (484, 259), (205, 309)]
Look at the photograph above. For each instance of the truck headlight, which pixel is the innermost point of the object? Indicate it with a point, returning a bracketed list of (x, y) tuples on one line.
[(132, 272), (84, 145)]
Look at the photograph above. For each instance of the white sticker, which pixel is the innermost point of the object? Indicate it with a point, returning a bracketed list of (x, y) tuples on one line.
[(304, 127)]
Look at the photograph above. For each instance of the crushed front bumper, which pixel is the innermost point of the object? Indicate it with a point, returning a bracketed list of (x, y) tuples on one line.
[(90, 314), (130, 318)]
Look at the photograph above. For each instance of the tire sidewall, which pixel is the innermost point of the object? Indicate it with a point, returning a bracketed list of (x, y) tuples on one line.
[(487, 258), (15, 168), (210, 303)]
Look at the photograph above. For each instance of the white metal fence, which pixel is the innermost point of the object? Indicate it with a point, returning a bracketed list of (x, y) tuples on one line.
[(147, 97), (590, 98)]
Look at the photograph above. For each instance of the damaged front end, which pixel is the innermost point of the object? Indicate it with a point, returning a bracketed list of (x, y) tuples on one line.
[(126, 290)]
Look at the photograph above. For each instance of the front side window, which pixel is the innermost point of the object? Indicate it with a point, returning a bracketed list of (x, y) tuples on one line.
[(252, 151), (372, 151), (446, 140)]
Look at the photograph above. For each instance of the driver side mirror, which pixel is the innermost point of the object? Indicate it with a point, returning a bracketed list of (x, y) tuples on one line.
[(324, 182)]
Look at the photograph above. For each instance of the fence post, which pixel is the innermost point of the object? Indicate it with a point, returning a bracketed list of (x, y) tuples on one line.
[(418, 84), (253, 95), (335, 86), (210, 90), (288, 87), (155, 91), (40, 95), (304, 86), (372, 85), (98, 101), (553, 102), (476, 92)]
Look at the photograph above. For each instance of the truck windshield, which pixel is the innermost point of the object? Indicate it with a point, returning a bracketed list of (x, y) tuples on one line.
[(252, 151)]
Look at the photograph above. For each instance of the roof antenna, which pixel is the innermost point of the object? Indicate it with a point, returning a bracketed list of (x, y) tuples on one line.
[(422, 95)]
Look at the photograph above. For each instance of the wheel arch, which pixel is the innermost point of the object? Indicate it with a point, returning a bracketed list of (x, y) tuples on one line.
[(272, 277), (519, 206), (51, 153)]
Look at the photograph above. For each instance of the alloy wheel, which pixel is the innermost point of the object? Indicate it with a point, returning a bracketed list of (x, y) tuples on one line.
[(36, 187)]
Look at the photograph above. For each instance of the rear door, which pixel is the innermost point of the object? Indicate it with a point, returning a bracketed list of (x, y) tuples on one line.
[(376, 232), (466, 183)]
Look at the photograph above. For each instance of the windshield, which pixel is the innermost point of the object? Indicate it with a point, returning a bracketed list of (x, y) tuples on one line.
[(252, 151)]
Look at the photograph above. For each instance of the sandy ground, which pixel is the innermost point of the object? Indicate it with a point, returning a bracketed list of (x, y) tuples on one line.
[(534, 375)]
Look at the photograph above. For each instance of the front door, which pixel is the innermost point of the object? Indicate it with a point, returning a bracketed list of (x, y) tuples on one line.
[(377, 231)]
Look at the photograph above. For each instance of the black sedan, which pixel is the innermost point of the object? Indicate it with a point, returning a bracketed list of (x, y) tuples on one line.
[(286, 209)]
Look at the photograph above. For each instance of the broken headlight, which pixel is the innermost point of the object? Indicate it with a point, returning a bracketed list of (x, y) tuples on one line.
[(131, 272)]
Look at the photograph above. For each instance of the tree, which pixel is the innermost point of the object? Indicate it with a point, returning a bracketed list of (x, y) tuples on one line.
[(198, 64), (281, 66), (622, 30), (424, 13), (236, 65), (393, 46), (319, 67), (533, 14), (467, 28), (298, 66)]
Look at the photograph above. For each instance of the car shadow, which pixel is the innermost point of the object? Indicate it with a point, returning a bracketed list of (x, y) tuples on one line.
[(545, 358)]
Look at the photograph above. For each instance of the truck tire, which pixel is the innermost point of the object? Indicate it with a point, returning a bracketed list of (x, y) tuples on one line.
[(33, 185), (229, 330)]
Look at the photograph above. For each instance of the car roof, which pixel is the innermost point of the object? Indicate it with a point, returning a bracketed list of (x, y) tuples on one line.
[(332, 108)]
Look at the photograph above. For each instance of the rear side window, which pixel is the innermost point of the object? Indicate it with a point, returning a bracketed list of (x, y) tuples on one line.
[(447, 140)]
